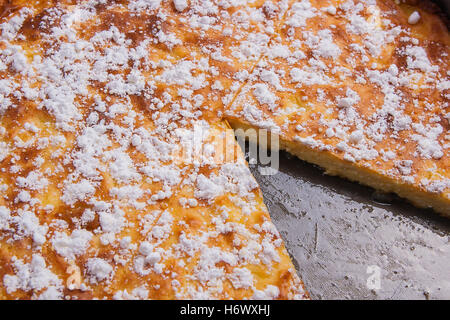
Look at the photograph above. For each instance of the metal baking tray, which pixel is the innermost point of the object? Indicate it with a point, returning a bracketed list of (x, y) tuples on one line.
[(349, 242)]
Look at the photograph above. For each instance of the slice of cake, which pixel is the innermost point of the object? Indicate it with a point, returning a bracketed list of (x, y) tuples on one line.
[(118, 178), (360, 88)]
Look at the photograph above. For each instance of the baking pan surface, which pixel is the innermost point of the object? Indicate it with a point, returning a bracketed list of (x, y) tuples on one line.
[(341, 235)]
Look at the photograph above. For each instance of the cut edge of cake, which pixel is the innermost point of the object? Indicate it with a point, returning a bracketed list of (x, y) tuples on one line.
[(335, 166)]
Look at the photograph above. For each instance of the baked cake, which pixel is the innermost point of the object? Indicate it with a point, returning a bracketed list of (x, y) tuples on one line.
[(361, 89), (120, 176)]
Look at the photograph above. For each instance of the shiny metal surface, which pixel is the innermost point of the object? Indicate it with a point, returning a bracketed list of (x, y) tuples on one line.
[(341, 234)]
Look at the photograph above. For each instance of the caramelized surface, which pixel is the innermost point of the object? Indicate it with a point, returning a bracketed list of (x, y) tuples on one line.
[(359, 90), (120, 177)]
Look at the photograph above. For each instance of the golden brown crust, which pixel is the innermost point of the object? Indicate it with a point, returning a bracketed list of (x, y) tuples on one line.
[(105, 194), (367, 99), (120, 177)]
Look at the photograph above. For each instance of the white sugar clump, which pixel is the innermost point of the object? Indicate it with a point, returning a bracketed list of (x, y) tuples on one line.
[(414, 18), (180, 5)]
